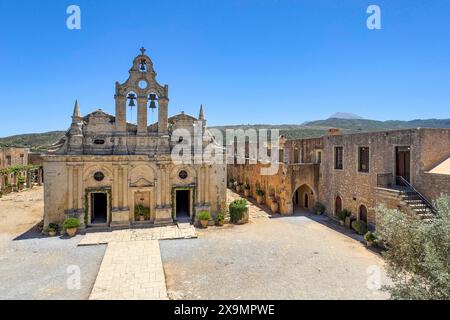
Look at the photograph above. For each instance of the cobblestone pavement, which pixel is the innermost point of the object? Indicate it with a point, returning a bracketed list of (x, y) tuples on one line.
[(131, 270), (158, 233), (295, 257)]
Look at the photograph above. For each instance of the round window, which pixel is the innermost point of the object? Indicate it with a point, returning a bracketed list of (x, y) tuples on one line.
[(143, 84), (99, 176), (183, 174)]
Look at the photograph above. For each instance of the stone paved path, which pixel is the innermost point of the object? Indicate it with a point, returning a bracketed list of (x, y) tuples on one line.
[(131, 270), (184, 231)]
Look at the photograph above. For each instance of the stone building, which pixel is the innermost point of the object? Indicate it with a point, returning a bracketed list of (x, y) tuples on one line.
[(110, 172), (405, 169), (12, 157)]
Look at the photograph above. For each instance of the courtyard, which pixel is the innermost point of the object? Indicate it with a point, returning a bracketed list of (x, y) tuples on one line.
[(296, 257)]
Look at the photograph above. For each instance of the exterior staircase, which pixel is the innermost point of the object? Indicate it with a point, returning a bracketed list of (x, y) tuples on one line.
[(407, 198)]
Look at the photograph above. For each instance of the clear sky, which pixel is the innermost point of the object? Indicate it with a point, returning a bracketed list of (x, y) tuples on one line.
[(247, 61)]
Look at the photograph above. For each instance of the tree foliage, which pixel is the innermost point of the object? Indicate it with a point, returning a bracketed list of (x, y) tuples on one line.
[(418, 255)]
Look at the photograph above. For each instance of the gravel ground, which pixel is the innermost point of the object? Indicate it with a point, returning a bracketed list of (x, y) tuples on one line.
[(297, 257), (33, 266)]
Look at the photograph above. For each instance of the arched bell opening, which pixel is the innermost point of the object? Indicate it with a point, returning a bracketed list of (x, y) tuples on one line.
[(152, 106), (131, 107)]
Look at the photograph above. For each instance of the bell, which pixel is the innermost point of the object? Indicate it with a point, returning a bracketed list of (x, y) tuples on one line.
[(143, 64), (131, 96), (152, 104)]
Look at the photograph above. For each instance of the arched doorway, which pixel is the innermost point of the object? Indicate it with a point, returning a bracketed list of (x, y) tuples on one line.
[(303, 198), (337, 205), (363, 213)]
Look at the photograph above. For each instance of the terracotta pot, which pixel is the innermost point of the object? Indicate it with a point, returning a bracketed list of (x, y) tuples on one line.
[(204, 223), (274, 207), (219, 223), (52, 233), (71, 231), (238, 188), (141, 218), (259, 199), (246, 192)]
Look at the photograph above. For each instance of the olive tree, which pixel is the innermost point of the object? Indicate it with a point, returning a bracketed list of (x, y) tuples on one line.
[(418, 254)]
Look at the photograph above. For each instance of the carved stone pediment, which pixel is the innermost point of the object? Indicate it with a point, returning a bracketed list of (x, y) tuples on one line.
[(142, 182)]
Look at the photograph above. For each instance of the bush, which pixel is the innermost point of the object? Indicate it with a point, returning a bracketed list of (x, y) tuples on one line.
[(21, 179), (246, 186), (220, 217), (204, 215), (359, 226), (370, 237), (260, 192), (141, 210), (418, 254), (71, 223), (319, 208), (343, 214), (52, 227), (237, 210)]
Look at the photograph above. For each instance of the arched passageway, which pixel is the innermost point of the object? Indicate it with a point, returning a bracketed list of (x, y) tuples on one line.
[(303, 198)]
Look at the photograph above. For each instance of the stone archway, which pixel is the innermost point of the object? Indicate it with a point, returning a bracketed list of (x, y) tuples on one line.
[(303, 198), (363, 213)]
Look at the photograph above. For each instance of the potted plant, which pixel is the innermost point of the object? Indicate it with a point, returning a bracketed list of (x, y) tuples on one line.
[(319, 208), (8, 188), (141, 213), (52, 229), (259, 196), (359, 226), (204, 217), (239, 211), (20, 182), (239, 187), (231, 184), (246, 190), (274, 204), (220, 219), (343, 215), (370, 238), (71, 225)]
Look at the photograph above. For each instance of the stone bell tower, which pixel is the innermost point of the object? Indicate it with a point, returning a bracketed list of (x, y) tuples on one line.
[(142, 88)]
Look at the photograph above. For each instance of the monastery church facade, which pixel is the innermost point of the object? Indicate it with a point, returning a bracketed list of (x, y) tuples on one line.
[(111, 173)]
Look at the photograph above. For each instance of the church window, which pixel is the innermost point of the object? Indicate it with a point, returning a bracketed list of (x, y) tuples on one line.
[(99, 176), (183, 174)]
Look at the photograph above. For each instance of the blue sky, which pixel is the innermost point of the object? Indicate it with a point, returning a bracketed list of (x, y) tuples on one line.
[(247, 61)]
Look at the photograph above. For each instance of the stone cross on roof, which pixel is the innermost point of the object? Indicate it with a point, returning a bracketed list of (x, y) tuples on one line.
[(142, 50)]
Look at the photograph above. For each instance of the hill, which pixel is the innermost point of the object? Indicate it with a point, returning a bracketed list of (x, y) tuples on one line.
[(34, 141)]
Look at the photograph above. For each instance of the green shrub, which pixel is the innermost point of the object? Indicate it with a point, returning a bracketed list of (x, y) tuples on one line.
[(21, 179), (220, 217), (359, 226), (246, 186), (237, 210), (141, 210), (71, 223), (343, 214), (52, 227), (370, 236), (204, 215), (260, 192), (319, 208)]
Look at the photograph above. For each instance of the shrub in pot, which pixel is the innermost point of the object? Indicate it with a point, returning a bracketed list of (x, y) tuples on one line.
[(52, 229), (20, 182), (370, 238), (343, 215), (204, 217), (319, 208), (8, 188), (359, 226), (259, 196), (246, 190), (239, 211), (71, 225), (141, 213), (220, 219), (239, 187)]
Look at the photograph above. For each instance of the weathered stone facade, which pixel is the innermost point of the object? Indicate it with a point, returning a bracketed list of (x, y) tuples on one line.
[(366, 175), (107, 171)]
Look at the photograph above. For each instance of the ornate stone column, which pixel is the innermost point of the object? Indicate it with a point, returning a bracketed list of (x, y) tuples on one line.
[(69, 187), (125, 188), (115, 188), (80, 196)]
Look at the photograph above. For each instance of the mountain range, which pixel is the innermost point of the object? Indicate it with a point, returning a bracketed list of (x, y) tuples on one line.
[(348, 123)]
